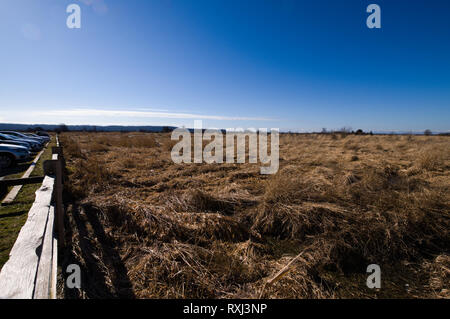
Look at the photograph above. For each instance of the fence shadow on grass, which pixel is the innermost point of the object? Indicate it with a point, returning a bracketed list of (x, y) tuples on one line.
[(103, 273), (14, 214), (19, 168)]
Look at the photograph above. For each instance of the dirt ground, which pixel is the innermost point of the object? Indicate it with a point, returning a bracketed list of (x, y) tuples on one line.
[(141, 226)]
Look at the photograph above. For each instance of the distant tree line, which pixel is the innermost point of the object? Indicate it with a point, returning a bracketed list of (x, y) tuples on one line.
[(64, 128), (346, 131), (167, 129)]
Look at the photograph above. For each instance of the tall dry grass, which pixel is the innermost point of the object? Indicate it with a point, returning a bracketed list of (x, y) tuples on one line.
[(222, 231)]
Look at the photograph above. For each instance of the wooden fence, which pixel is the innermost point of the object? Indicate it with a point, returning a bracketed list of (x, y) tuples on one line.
[(31, 270), (9, 199)]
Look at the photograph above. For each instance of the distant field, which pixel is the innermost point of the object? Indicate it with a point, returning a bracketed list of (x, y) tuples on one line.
[(144, 227)]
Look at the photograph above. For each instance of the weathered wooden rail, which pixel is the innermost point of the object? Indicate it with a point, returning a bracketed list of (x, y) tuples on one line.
[(22, 181), (31, 271)]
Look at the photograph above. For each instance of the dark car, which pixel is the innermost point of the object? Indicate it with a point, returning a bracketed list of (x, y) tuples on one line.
[(6, 139), (12, 154), (35, 144), (42, 133), (23, 136)]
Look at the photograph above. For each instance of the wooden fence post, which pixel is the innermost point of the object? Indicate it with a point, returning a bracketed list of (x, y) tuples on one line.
[(3, 190), (59, 203), (57, 150), (55, 167)]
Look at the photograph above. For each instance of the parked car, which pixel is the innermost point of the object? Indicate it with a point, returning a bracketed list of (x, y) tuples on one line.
[(6, 139), (12, 154), (42, 138), (35, 145), (42, 133), (23, 136)]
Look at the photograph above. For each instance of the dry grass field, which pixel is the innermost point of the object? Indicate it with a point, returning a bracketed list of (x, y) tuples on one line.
[(141, 226)]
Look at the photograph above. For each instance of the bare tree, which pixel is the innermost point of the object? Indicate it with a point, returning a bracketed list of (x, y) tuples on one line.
[(61, 128)]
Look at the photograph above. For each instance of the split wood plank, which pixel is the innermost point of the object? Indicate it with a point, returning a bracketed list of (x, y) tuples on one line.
[(54, 278), (18, 275), (45, 267)]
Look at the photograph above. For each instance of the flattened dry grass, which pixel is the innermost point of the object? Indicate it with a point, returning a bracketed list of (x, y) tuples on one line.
[(222, 231)]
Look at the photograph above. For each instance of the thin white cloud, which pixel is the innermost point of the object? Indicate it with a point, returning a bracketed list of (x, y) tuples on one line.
[(143, 114), (148, 109)]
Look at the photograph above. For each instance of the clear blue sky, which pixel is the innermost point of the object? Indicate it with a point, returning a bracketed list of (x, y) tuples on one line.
[(299, 65)]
